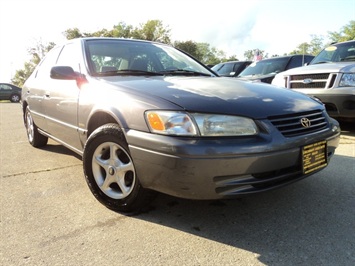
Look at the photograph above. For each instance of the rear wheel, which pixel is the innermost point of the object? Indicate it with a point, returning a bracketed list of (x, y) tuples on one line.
[(35, 138), (15, 98), (110, 173)]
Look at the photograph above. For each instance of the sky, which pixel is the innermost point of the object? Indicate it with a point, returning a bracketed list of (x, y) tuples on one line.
[(233, 26)]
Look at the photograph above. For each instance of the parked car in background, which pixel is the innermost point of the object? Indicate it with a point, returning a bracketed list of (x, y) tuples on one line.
[(266, 69), (231, 68), (147, 117), (10, 92), (330, 77)]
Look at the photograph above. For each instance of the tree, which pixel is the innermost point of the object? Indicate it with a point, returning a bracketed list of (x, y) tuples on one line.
[(250, 54), (231, 58), (122, 30), (313, 48), (302, 48), (37, 53), (316, 45), (209, 55), (317, 42), (347, 33), (189, 47), (202, 52), (152, 30), (72, 34)]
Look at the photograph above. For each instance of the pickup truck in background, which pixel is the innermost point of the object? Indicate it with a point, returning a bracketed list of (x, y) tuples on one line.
[(330, 77)]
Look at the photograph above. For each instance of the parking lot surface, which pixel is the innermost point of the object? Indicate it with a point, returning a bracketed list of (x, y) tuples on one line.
[(49, 217)]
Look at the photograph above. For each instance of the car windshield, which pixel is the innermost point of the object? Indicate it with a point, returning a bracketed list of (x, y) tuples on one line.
[(124, 57), (265, 67), (336, 53)]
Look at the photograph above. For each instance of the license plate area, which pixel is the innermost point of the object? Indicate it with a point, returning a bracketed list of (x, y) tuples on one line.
[(314, 157)]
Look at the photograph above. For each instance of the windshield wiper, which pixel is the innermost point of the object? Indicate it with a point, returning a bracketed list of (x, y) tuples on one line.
[(129, 72), (184, 72), (321, 62), (348, 58)]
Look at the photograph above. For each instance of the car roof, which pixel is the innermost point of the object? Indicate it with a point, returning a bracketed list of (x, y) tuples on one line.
[(334, 43)]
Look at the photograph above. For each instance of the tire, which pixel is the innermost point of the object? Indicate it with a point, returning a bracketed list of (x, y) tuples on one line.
[(110, 173), (15, 98), (35, 138)]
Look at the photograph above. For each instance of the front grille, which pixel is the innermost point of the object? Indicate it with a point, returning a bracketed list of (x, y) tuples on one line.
[(291, 126), (310, 76), (313, 85), (312, 81)]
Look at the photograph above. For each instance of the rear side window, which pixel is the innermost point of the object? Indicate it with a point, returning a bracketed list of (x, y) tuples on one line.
[(5, 87), (295, 61), (48, 62), (298, 61), (226, 69)]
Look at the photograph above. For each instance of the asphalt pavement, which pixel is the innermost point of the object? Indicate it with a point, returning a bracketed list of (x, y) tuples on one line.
[(49, 217)]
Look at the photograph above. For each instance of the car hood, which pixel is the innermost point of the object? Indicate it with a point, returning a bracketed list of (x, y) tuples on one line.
[(343, 67), (219, 95)]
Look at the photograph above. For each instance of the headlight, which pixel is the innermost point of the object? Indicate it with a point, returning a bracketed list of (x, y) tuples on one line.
[(224, 125), (347, 80), (170, 123), (196, 124), (279, 80)]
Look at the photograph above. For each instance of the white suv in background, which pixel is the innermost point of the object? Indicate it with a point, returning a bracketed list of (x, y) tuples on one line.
[(330, 77)]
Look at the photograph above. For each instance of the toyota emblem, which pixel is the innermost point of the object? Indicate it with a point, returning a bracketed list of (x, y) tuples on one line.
[(305, 122)]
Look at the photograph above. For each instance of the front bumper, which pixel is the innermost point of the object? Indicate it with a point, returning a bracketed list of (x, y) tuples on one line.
[(220, 168), (338, 106)]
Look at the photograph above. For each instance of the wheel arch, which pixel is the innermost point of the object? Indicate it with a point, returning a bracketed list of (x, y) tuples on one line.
[(100, 118), (24, 107)]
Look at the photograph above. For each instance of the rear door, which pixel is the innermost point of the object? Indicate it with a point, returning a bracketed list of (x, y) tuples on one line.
[(37, 86), (61, 102)]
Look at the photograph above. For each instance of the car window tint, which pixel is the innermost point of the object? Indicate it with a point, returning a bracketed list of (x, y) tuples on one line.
[(111, 55), (48, 62), (217, 67), (266, 66), (69, 57), (5, 87), (298, 61), (295, 61), (108, 56), (226, 69)]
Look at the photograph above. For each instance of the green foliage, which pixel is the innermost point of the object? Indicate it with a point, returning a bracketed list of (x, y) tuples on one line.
[(37, 53), (189, 47), (202, 52), (72, 34), (347, 33), (317, 43), (155, 30), (249, 55), (152, 30), (22, 74), (122, 30), (312, 48)]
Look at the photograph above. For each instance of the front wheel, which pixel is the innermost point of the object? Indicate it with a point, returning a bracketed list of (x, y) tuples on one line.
[(110, 173)]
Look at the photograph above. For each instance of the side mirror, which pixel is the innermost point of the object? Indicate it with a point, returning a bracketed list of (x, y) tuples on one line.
[(63, 72)]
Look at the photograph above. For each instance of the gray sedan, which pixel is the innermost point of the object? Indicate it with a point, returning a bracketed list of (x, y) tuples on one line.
[(149, 118)]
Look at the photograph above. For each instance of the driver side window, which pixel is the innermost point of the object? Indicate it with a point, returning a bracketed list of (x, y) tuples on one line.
[(68, 57)]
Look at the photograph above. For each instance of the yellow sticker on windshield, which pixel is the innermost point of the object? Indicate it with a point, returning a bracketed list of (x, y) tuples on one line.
[(331, 48)]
